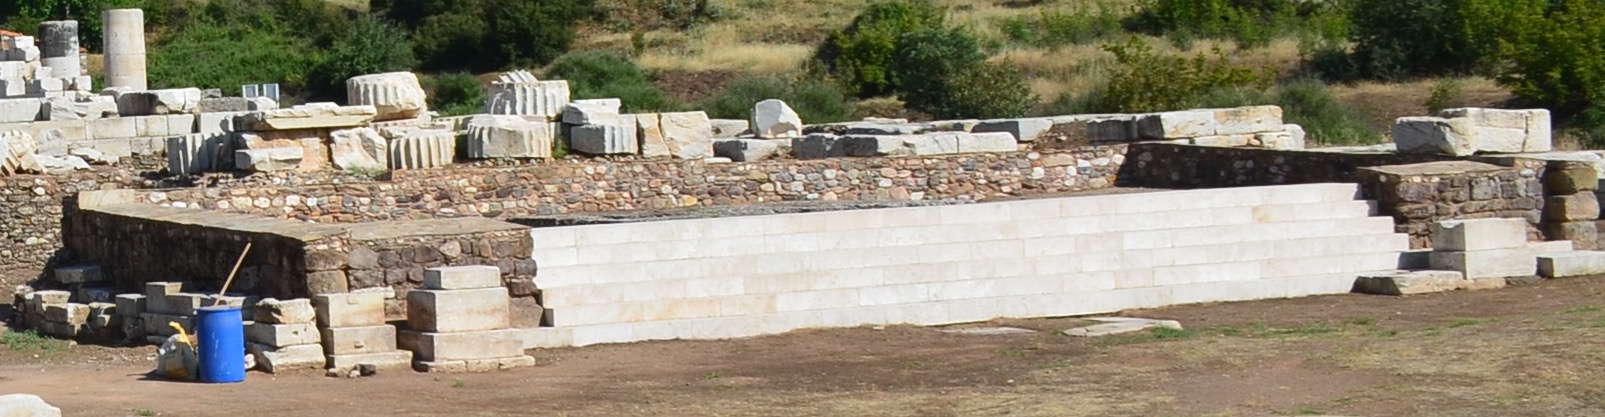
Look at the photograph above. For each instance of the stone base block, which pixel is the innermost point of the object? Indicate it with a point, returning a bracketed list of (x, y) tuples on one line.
[(1409, 282), (355, 340), (1497, 263), (475, 365), (1479, 234), (157, 324), (382, 360), (354, 309), (281, 335), (274, 360), (458, 310), (1582, 234), (487, 344), (462, 277), (1571, 264)]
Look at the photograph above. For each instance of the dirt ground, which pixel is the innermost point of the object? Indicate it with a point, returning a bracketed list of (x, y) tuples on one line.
[(1525, 351)]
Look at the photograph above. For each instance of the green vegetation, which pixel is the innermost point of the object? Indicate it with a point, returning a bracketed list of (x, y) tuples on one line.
[(860, 55), (487, 35), (1078, 25), (455, 94), (30, 341), (1249, 22), (595, 74), (815, 101), (1146, 81)]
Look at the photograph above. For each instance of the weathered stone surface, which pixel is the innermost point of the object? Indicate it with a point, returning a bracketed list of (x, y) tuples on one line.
[(936, 143), (1573, 207), (354, 309), (359, 149), (1506, 131), (419, 149), (79, 274), (458, 310), (1409, 282), (224, 105), (494, 136), (728, 128), (1177, 124), (462, 277), (157, 102), (393, 95), (488, 344), (1570, 177), (91, 108), (70, 313), (774, 119), (281, 335), (275, 360), (475, 365), (159, 324), (268, 159), (819, 146), (593, 111), (14, 110), (381, 360), (274, 311), (688, 135), (130, 305), (1434, 135), (197, 153), (1479, 234), (519, 93), (1247, 120), (1119, 325), (991, 331), (355, 340), (604, 139), (1571, 264), (746, 150), (1022, 130), (307, 116), (26, 405), (1493, 263)]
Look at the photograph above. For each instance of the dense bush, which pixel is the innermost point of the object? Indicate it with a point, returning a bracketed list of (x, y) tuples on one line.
[(486, 35), (860, 55), (1249, 22), (597, 74), (1059, 27), (1145, 81), (1398, 38), (1307, 103), (982, 91), (455, 94), (367, 46), (944, 73), (815, 101), (225, 56), (1555, 58)]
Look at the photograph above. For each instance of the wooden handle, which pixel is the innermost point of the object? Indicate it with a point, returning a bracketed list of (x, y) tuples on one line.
[(236, 270)]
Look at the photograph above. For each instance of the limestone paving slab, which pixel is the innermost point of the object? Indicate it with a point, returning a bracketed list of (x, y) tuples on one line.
[(1571, 264), (487, 344), (474, 365), (1410, 282), (1110, 326), (382, 360), (275, 360)]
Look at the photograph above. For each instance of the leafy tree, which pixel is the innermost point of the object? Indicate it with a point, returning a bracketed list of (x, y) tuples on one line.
[(1145, 81), (860, 55), (367, 46), (455, 94), (1556, 57)]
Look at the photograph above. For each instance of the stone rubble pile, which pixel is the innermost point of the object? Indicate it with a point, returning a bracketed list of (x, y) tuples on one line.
[(353, 331), (460, 321)]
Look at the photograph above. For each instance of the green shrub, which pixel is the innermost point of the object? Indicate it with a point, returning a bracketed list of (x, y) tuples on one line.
[(982, 91), (455, 94), (1059, 27), (1398, 38), (487, 35), (1145, 81), (1555, 58), (860, 54), (1309, 103), (944, 73), (597, 74), (815, 101), (452, 41), (366, 46), (1249, 22), (225, 56), (1446, 93)]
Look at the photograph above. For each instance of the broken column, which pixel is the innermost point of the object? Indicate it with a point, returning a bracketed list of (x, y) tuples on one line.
[(285, 336), (422, 148), (124, 32), (498, 136), (595, 127), (460, 321), (519, 93), (395, 95), (59, 48), (1571, 208), (353, 331)]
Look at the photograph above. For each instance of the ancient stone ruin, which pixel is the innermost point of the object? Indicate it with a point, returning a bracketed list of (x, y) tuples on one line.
[(384, 235)]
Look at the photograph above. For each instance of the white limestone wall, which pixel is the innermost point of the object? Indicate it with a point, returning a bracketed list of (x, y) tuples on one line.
[(745, 276)]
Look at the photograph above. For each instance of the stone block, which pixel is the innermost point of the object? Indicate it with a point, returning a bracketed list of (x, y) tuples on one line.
[(223, 105), (458, 310), (748, 150), (382, 360), (1507, 131), (774, 119), (158, 102), (1434, 135), (180, 124), (1479, 234), (1571, 264), (496, 136), (359, 149), (183, 304), (27, 405), (819, 146), (462, 277), (488, 344), (1583, 234), (268, 159), (728, 128), (281, 335), (985, 142), (81, 274), (158, 289), (1493, 263), (1022, 130), (393, 95), (1573, 207), (130, 305), (216, 123), (149, 126), (604, 139), (419, 149), (519, 93), (475, 365), (62, 330), (194, 154), (1250, 119), (112, 128), (594, 111), (354, 340), (69, 313), (1409, 282), (275, 311), (688, 135), (66, 108), (1177, 124), (307, 116), (275, 360), (354, 309), (16, 110), (1570, 177)]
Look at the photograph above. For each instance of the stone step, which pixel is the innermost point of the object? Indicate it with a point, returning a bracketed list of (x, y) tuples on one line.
[(740, 304), (1410, 282), (827, 276), (1571, 264)]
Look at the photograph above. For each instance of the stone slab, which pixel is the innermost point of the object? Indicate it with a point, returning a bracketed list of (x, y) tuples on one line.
[(275, 311), (1110, 326), (487, 344), (354, 340), (1493, 263), (1479, 234), (26, 405), (281, 335), (458, 310), (1571, 264), (157, 324), (1434, 135), (382, 360), (774, 119), (1409, 282), (280, 359), (462, 277), (990, 331), (80, 274), (130, 304), (1022, 130), (354, 309), (475, 365)]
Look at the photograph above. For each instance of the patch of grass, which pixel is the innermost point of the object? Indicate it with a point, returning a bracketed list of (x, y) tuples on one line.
[(1361, 321), (1307, 411), (1458, 323), (1584, 309), (1152, 335), (30, 340), (144, 412), (1385, 333), (711, 376), (458, 383)]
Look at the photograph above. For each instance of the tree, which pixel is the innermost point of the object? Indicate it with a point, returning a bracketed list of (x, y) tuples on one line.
[(367, 46), (860, 55)]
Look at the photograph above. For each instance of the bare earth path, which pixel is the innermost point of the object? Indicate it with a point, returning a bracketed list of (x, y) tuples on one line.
[(1535, 350)]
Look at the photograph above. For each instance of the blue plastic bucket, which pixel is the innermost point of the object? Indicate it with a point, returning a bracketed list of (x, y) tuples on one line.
[(221, 331)]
